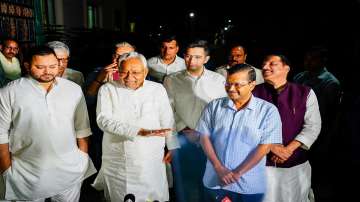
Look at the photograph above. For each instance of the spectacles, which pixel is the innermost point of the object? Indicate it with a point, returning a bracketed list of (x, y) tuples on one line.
[(11, 48), (64, 59), (134, 74), (239, 84)]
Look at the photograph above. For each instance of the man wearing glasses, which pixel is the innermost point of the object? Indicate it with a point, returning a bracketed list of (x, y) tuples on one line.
[(63, 55), (236, 134), (9, 65), (189, 91), (137, 120)]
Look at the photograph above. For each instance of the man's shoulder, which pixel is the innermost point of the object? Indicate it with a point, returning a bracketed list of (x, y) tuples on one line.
[(222, 68), (264, 105), (153, 60), (153, 85), (214, 75), (68, 84), (15, 83), (176, 75)]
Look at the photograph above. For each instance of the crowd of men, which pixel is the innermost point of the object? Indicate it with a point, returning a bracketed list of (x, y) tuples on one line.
[(238, 133)]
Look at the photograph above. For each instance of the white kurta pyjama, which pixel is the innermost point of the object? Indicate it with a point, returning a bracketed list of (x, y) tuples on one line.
[(132, 163), (41, 129)]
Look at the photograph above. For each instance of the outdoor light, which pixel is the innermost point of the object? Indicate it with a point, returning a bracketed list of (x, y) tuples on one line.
[(191, 14)]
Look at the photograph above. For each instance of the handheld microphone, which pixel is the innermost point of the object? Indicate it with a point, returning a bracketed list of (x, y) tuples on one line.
[(129, 198)]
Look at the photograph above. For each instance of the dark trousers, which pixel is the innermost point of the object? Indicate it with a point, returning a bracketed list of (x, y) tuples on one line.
[(220, 195)]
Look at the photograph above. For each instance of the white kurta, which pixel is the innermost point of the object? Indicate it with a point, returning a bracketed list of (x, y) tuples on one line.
[(132, 163), (41, 129), (158, 70), (189, 95)]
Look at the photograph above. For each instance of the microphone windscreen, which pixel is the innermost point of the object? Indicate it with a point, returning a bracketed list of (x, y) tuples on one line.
[(129, 198)]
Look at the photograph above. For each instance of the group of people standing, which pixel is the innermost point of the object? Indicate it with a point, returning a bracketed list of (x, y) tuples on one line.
[(237, 134)]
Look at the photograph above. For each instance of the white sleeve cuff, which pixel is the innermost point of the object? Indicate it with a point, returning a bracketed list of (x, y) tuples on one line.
[(172, 141), (306, 143), (4, 138), (83, 133)]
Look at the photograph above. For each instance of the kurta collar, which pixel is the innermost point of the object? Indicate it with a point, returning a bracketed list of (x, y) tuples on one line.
[(38, 86)]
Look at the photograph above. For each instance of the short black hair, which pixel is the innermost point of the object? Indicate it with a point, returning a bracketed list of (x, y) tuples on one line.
[(282, 57), (243, 67), (199, 44), (38, 50), (3, 41), (168, 37)]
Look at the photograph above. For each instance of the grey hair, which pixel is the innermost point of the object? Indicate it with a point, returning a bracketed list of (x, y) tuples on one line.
[(134, 54), (124, 44), (58, 45)]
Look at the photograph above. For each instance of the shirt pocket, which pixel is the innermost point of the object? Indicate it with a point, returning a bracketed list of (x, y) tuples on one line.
[(251, 136)]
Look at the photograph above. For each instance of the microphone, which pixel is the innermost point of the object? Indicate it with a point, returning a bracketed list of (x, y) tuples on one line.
[(129, 198)]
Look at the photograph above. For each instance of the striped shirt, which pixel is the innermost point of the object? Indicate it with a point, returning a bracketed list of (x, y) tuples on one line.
[(234, 135)]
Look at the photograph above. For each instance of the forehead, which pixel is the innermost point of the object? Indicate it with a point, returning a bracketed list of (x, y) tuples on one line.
[(273, 58), (44, 60), (132, 64), (61, 53), (195, 51), (11, 43), (237, 50), (239, 76), (124, 49), (170, 43)]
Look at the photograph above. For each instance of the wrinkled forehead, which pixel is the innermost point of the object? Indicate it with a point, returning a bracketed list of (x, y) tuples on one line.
[(132, 64)]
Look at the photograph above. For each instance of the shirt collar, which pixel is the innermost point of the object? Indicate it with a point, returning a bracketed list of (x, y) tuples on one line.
[(174, 62), (230, 104), (204, 73), (38, 85)]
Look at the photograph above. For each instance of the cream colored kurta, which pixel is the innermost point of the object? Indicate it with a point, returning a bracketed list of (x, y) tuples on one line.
[(41, 129), (132, 163), (189, 95)]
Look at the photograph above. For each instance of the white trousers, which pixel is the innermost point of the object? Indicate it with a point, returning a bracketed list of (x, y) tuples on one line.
[(288, 184), (69, 195)]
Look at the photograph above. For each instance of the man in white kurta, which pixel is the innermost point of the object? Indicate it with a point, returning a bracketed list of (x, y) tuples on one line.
[(190, 91), (167, 62), (137, 120), (43, 134)]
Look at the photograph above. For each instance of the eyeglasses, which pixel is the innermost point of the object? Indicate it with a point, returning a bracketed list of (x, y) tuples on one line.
[(11, 48), (238, 85), (133, 74), (64, 59)]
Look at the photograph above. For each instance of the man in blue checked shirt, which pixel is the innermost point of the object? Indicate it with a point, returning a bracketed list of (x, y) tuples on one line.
[(236, 134)]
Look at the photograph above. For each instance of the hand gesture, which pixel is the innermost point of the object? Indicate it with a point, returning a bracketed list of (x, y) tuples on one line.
[(156, 132)]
